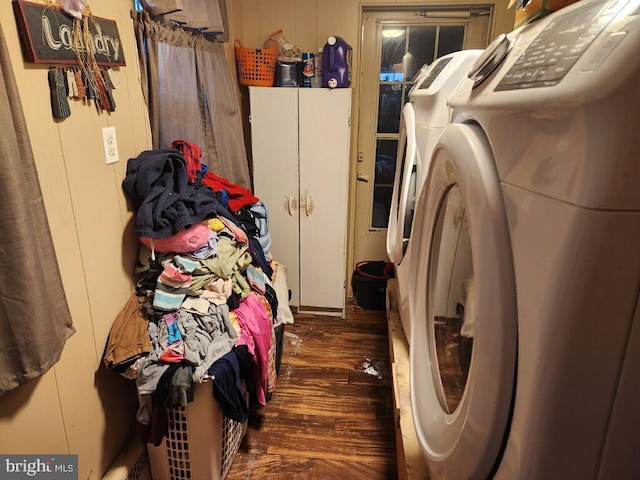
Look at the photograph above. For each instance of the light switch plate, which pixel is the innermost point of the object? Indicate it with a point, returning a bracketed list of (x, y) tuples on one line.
[(110, 143)]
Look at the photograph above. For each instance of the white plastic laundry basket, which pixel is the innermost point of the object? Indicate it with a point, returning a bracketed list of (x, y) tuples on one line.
[(201, 443)]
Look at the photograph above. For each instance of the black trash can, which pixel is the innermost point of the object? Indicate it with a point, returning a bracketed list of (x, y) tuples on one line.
[(369, 283)]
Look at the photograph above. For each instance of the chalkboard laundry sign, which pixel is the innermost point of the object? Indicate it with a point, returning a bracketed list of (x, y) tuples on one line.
[(47, 36)]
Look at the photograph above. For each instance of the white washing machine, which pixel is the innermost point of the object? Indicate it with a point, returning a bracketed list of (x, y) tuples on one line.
[(422, 121), (525, 336)]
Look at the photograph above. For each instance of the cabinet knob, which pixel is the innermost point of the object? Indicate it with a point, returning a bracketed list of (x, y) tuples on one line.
[(306, 202), (291, 204)]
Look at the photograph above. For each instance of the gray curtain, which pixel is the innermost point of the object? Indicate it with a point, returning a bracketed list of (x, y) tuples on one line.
[(34, 316), (191, 96)]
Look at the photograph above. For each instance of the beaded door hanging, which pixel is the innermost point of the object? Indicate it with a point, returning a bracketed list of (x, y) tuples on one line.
[(88, 81), (75, 84)]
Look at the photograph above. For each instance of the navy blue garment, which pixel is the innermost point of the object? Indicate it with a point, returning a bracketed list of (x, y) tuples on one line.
[(233, 301), (157, 185), (258, 257), (245, 219), (245, 359), (227, 387), (164, 391), (272, 298)]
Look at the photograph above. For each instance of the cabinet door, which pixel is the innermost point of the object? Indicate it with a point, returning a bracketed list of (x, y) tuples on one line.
[(274, 139), (324, 133)]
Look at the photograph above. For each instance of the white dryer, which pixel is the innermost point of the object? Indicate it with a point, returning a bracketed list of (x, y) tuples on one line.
[(423, 120), (429, 96), (525, 336)]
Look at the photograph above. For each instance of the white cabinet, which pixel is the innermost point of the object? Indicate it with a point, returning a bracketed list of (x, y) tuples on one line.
[(300, 145)]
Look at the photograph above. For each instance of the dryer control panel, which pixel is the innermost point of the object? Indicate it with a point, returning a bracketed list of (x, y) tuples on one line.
[(558, 47), (433, 73)]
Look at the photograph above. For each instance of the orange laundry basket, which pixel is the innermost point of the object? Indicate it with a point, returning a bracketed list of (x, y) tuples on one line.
[(256, 66)]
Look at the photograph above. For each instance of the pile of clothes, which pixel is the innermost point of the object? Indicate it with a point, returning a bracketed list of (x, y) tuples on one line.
[(209, 299)]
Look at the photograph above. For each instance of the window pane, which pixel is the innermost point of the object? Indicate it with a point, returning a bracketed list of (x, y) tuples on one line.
[(381, 206), (386, 161), (393, 41), (422, 42), (450, 40), (389, 107), (383, 183)]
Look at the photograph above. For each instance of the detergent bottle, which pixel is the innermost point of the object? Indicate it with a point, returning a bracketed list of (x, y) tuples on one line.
[(336, 63)]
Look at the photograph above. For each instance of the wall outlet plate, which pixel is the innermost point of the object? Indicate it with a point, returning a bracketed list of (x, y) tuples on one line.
[(110, 143)]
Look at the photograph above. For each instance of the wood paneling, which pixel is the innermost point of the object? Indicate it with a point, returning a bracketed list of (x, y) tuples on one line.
[(275, 15), (331, 415), (36, 407), (77, 407), (305, 28), (341, 18), (251, 36)]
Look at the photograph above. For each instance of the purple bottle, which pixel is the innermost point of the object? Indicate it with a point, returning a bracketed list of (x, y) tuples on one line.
[(336, 63)]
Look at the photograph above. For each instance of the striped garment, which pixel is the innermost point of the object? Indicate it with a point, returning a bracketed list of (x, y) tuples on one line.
[(173, 283)]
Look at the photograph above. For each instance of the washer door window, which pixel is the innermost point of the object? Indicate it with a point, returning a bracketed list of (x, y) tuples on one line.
[(452, 289), (464, 327)]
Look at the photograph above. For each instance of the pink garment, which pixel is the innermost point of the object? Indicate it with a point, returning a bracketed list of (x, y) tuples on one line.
[(241, 236), (173, 276), (186, 240), (255, 333), (174, 353)]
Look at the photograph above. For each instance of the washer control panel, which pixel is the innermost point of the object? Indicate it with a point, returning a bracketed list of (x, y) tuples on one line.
[(558, 47), (490, 59)]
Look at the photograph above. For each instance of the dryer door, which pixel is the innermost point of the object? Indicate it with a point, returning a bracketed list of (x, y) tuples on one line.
[(404, 187), (464, 330)]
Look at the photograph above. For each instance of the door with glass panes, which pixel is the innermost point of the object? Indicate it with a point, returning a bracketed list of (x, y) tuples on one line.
[(396, 44)]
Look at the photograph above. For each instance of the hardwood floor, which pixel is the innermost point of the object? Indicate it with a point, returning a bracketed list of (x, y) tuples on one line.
[(331, 415)]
